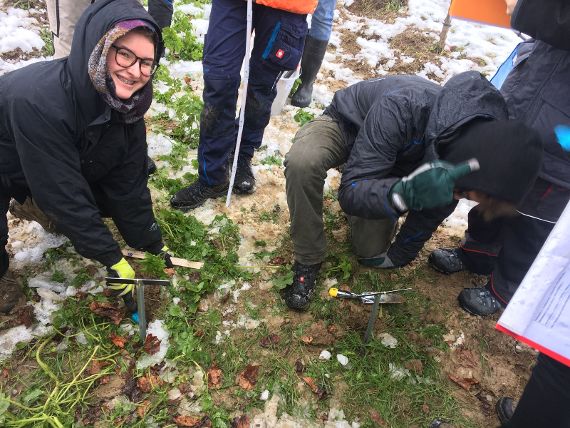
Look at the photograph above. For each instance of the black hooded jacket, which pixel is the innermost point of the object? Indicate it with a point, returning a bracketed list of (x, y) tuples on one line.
[(537, 90), (77, 156), (398, 123)]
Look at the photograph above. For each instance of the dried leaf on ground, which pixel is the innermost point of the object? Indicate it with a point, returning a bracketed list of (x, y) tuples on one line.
[(240, 422), (143, 408), (96, 366), (377, 418), (464, 378), (148, 383), (415, 366), (317, 390), (248, 378), (307, 340), (25, 316), (107, 310), (269, 341), (214, 376), (151, 344), (278, 261), (193, 421), (319, 334), (118, 341)]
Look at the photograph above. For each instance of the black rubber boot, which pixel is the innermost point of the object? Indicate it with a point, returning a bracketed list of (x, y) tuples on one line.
[(505, 409), (313, 55), (446, 260), (298, 295)]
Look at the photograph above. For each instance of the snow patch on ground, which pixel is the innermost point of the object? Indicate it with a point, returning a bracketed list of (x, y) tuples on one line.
[(157, 329), (16, 31)]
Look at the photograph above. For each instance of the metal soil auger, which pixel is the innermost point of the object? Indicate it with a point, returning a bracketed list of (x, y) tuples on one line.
[(139, 287), (374, 298)]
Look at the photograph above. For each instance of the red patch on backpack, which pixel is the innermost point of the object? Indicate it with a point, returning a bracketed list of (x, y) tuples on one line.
[(280, 53)]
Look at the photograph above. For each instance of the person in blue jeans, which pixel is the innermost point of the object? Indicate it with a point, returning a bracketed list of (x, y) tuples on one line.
[(314, 52), (278, 46)]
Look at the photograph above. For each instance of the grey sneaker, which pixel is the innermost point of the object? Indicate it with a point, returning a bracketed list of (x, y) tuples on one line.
[(196, 194), (446, 260), (478, 301)]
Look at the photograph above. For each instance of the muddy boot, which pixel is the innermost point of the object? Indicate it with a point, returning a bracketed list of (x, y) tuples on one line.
[(478, 301), (446, 260), (244, 183), (298, 295), (313, 55), (31, 212), (10, 293), (505, 409), (196, 194)]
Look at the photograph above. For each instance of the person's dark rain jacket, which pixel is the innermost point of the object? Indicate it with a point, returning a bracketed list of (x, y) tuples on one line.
[(398, 123), (76, 156), (537, 90)]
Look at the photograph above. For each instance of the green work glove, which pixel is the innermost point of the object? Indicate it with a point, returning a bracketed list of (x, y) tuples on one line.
[(429, 186)]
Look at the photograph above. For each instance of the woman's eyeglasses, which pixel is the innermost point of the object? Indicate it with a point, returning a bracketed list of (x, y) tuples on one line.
[(126, 58)]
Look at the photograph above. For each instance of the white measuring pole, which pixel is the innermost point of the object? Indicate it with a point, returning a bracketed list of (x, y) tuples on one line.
[(245, 81)]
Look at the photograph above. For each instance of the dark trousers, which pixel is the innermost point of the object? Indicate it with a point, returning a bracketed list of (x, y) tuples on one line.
[(506, 248), (278, 45), (11, 186), (546, 398)]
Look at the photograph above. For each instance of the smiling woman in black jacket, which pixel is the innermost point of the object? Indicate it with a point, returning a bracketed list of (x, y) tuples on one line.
[(72, 136)]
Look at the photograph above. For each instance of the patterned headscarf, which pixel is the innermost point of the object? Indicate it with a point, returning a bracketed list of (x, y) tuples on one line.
[(135, 107)]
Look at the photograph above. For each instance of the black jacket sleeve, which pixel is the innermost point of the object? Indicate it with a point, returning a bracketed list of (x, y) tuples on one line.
[(545, 20), (416, 230), (51, 165), (365, 182), (124, 196)]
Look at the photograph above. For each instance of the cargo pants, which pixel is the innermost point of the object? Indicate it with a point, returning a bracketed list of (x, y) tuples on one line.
[(317, 147)]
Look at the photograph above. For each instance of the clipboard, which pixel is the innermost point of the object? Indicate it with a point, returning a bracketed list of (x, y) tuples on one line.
[(491, 12)]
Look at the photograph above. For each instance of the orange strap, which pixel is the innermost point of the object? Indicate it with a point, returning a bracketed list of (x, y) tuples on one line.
[(296, 6)]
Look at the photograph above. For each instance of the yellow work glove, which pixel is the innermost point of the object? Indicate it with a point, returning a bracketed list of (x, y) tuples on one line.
[(122, 269)]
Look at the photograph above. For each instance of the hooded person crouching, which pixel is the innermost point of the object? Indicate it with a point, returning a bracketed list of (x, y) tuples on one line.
[(73, 138), (408, 146)]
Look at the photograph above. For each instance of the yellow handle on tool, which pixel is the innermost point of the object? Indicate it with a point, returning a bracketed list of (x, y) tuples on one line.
[(333, 292)]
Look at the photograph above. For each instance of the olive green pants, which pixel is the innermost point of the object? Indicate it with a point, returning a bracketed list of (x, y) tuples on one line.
[(317, 147)]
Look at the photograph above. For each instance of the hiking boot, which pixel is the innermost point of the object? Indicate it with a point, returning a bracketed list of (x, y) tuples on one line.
[(10, 293), (478, 301), (244, 183), (446, 260), (298, 294), (196, 194), (31, 212), (505, 408)]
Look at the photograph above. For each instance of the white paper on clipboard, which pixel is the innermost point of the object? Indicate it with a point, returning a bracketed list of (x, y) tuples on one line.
[(539, 312)]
